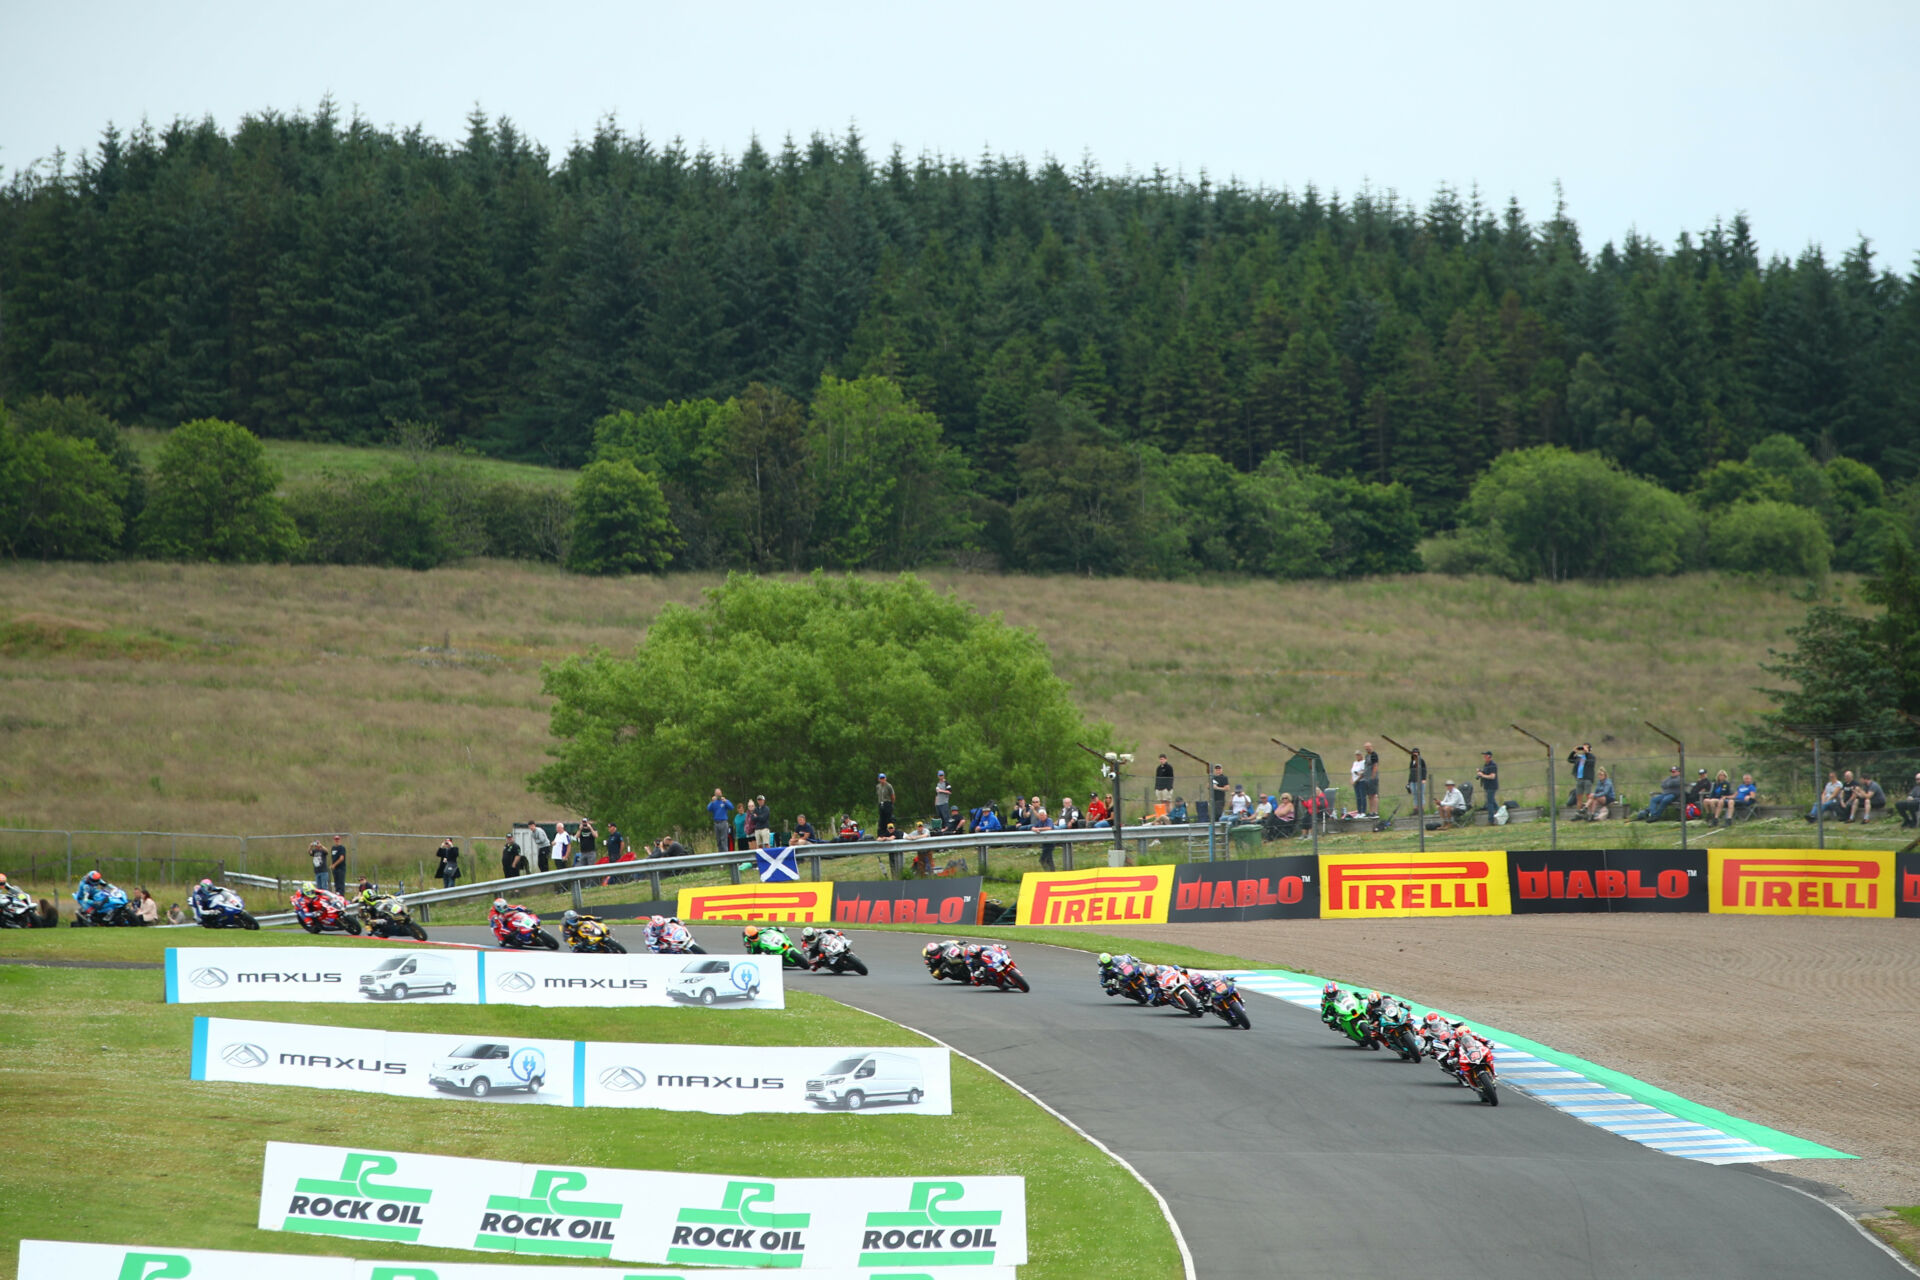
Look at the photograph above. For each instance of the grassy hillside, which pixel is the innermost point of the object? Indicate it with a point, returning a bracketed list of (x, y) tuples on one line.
[(304, 460), (313, 699)]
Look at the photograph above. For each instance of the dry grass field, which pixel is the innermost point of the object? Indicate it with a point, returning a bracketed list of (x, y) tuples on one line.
[(304, 699)]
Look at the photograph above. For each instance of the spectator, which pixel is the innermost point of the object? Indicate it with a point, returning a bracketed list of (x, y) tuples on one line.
[(587, 845), (883, 797), (942, 796), (1746, 794), (667, 847), (1023, 813), (146, 908), (1041, 822), (616, 843), (1697, 793), (987, 819), (1239, 805), (1417, 780), (337, 860), (1599, 801), (1163, 781), (1453, 805), (50, 917), (1286, 815), (513, 858), (1672, 787), (449, 855), (365, 886), (1832, 799), (1096, 810), (956, 823), (802, 830), (317, 852), (1910, 807), (1221, 786), (1179, 811), (743, 826), (1718, 805), (559, 849), (1357, 776), (762, 822), (849, 830), (1373, 780), (1070, 817), (1870, 797), (542, 845), (1489, 779), (720, 809), (1584, 764)]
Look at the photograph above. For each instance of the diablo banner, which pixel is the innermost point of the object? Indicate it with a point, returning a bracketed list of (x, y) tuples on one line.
[(638, 910), (1907, 868), (59, 1260), (1259, 889), (1580, 880), (1116, 895), (439, 975), (908, 1225), (937, 901), (717, 1079), (1364, 886), (1805, 882), (794, 903)]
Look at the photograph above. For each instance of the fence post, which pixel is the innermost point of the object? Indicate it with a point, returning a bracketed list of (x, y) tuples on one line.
[(733, 869), (579, 903), (69, 836), (813, 867), (653, 883), (1553, 814), (983, 862), (1683, 777), (1819, 801), (1417, 786)]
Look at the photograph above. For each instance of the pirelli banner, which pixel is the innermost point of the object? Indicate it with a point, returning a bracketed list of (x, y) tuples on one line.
[(796, 902), (1803, 882), (1116, 895), (579, 1213)]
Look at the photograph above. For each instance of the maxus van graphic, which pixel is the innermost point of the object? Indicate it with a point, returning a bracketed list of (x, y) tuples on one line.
[(481, 1067), (861, 1078), (401, 976), (713, 978)]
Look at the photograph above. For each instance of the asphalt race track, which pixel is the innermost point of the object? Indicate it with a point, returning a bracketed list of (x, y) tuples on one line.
[(1286, 1151)]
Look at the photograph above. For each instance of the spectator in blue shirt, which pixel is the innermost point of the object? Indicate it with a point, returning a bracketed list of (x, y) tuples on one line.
[(1177, 814), (720, 809)]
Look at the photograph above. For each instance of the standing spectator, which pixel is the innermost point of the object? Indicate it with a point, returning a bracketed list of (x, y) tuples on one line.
[(337, 860), (1417, 780), (559, 850), (542, 846), (1910, 807), (1221, 785), (1584, 764), (1489, 777), (616, 843), (1163, 781), (449, 855), (587, 845), (1041, 822), (1373, 781), (1357, 775), (762, 823), (942, 796), (720, 809), (1453, 805), (318, 853), (513, 858), (883, 797)]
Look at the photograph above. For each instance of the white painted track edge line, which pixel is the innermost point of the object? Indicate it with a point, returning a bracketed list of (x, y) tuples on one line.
[(1857, 1225)]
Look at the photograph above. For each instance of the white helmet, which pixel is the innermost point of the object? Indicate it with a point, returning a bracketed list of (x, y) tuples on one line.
[(499, 904), (570, 916), (656, 921), (807, 933)]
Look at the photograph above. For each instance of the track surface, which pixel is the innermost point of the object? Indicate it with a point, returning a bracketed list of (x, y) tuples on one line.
[(1285, 1151)]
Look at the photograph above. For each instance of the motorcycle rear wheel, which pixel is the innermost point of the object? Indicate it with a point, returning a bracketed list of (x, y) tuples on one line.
[(352, 925), (248, 922)]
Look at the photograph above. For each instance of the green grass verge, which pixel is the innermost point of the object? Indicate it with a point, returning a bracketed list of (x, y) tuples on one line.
[(1901, 1230), (96, 1081)]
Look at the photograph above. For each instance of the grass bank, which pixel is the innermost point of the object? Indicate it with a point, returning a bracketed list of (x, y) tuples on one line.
[(96, 1076)]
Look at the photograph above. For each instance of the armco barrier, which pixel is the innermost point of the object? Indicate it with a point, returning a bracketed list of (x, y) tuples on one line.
[(1367, 886)]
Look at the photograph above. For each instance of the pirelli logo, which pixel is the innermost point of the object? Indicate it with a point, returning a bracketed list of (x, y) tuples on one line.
[(1359, 886), (1780, 882), (799, 903), (1137, 895)]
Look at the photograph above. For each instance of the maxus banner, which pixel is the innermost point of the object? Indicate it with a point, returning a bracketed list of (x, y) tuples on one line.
[(717, 1079), (787, 903), (342, 975), (1581, 880), (908, 1225), (1802, 882), (60, 1260), (1359, 886), (1117, 895)]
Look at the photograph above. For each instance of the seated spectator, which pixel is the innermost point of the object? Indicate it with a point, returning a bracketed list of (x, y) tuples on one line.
[(146, 908), (1263, 810), (1096, 810), (1068, 816), (1453, 804), (1746, 795), (1672, 788), (1599, 801), (49, 916), (1910, 807), (1023, 813), (956, 823), (1286, 815), (1717, 807), (1177, 814), (1832, 799), (1867, 797), (1239, 805), (1697, 793), (987, 819), (849, 830)]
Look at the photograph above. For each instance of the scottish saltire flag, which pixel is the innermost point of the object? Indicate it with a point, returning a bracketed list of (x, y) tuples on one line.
[(777, 864)]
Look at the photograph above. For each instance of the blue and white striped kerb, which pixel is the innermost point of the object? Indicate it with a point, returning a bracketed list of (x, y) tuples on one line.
[(1562, 1088)]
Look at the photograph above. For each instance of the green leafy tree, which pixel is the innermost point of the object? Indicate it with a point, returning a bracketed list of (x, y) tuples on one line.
[(1769, 537), (78, 418), (60, 498), (1552, 513), (890, 493), (804, 691), (620, 522), (213, 497)]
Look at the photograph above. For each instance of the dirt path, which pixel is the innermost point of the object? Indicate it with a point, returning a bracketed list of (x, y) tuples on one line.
[(1809, 1025)]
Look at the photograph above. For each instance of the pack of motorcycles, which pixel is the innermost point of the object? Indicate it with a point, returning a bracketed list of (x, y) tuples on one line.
[(1373, 1020), (1170, 986)]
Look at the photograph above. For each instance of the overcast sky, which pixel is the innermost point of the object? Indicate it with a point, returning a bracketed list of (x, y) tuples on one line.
[(1656, 116)]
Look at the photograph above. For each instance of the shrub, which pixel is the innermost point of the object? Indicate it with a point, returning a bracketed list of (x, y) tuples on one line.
[(213, 498), (620, 522), (1769, 537), (1551, 513)]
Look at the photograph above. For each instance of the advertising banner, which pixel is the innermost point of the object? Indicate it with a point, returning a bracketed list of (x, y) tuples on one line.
[(1580, 880), (1366, 886), (638, 910), (805, 903), (579, 1212), (1118, 895), (434, 975), (1907, 868), (937, 901), (59, 1260), (1258, 889), (717, 1079), (1802, 882)]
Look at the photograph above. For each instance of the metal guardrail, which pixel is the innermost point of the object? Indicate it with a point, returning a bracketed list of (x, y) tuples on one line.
[(895, 851)]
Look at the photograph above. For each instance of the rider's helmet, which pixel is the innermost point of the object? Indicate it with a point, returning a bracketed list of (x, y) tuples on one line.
[(1373, 997), (369, 896), (1331, 989), (1106, 958), (1433, 1020), (3, 879), (310, 888), (657, 921), (569, 916), (750, 932), (806, 934), (499, 904), (93, 876), (204, 882)]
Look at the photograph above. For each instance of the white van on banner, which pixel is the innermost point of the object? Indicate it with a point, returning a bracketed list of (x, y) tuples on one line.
[(708, 1220), (60, 1260), (444, 975), (717, 1079)]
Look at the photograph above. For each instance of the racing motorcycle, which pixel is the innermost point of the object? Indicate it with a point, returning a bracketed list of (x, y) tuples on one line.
[(775, 942), (1394, 1028), (1349, 1017), (324, 911), (521, 929), (998, 968), (17, 911), (1177, 991), (677, 940), (226, 911), (1473, 1067), (1131, 982), (388, 917), (1223, 997), (836, 953), (953, 966), (591, 935)]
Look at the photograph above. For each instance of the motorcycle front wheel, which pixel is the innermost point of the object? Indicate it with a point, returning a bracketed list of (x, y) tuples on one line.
[(1489, 1091), (547, 940), (1019, 980), (419, 934), (352, 925), (615, 947), (856, 964)]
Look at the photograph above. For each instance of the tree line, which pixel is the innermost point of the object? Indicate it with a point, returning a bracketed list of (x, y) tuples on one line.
[(315, 277)]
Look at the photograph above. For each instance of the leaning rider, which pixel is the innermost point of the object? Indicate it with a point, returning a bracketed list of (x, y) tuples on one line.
[(93, 892), (570, 924), (202, 898), (502, 912)]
